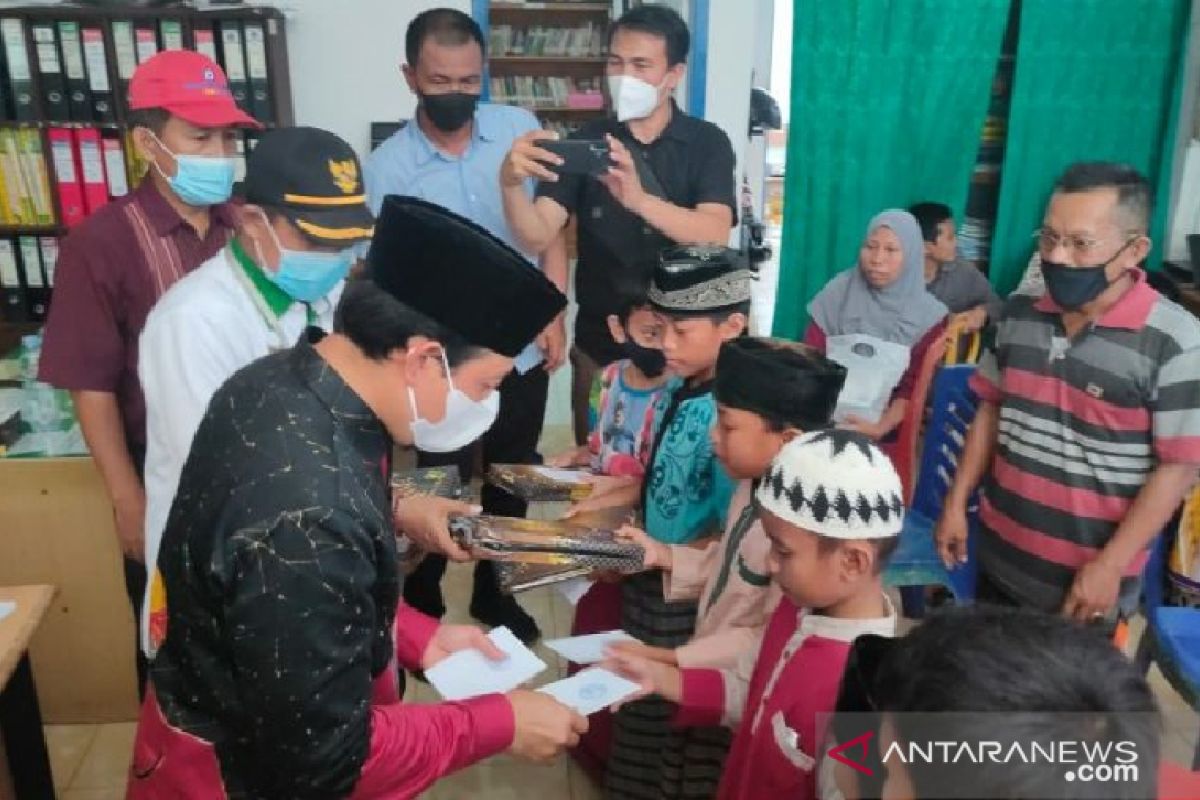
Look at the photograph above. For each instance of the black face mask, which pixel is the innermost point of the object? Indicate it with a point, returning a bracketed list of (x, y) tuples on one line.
[(650, 361), (1074, 287), (449, 112)]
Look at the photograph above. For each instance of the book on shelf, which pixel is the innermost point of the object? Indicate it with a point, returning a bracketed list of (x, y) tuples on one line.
[(79, 93), (25, 197), (146, 38), (95, 57), (50, 71), (24, 280), (537, 91), (543, 41), (33, 276), (12, 293), (171, 31), (18, 75), (233, 61)]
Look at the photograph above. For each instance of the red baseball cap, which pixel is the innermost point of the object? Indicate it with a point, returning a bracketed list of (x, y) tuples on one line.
[(191, 86)]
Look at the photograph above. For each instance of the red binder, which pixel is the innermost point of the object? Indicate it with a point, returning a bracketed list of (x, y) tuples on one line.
[(66, 174), (91, 162)]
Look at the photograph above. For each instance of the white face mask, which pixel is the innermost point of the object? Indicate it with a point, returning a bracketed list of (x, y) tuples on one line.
[(465, 419), (632, 97)]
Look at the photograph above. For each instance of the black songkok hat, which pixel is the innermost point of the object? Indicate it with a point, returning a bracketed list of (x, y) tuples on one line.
[(460, 275), (694, 280), (780, 380)]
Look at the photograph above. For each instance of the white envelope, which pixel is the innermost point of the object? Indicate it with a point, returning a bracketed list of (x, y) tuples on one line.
[(592, 690), (588, 649), (574, 589), (469, 673)]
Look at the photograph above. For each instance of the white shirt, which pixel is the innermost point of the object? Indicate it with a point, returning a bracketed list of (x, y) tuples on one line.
[(204, 329)]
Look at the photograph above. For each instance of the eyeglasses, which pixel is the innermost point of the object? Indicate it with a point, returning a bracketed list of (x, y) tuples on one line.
[(1047, 240)]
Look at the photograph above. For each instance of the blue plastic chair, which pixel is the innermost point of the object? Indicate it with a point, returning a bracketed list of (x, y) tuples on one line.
[(1172, 635), (915, 563)]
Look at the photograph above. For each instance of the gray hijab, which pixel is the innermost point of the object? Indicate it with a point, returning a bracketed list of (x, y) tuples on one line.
[(900, 313)]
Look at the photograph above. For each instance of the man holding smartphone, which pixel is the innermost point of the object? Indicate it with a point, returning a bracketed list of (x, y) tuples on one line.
[(449, 155), (671, 180)]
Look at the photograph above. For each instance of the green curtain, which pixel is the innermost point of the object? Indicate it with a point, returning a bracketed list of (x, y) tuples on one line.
[(1095, 80), (888, 103)]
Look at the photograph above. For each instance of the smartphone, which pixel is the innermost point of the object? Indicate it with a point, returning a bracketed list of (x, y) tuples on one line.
[(580, 156)]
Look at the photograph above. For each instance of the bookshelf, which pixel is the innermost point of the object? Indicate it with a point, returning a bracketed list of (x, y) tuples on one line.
[(64, 138), (548, 57)]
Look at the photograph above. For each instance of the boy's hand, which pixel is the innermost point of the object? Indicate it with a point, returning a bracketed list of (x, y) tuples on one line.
[(607, 484), (607, 492), (657, 555), (575, 457), (654, 677), (632, 649)]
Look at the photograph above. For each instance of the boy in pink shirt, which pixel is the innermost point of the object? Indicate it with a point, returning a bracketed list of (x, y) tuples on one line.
[(768, 392), (831, 507)]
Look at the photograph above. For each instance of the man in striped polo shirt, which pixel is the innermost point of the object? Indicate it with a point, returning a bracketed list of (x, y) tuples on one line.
[(1088, 430)]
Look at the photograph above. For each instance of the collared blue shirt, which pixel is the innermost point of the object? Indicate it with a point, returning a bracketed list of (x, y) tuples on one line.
[(407, 163)]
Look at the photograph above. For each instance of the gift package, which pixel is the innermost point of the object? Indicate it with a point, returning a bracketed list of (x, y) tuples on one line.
[(428, 481), (539, 552), (535, 483)]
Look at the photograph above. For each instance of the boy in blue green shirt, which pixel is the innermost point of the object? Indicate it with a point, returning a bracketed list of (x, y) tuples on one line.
[(703, 296)]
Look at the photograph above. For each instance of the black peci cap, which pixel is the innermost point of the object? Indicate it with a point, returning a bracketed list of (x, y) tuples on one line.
[(461, 276), (313, 178), (699, 279), (781, 380)]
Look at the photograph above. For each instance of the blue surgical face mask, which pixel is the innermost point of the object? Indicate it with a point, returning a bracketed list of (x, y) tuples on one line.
[(306, 275), (199, 180)]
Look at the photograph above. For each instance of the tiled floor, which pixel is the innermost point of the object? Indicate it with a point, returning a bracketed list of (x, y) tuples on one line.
[(90, 761)]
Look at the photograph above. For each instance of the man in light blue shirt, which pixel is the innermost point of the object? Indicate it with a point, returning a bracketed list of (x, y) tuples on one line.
[(450, 154)]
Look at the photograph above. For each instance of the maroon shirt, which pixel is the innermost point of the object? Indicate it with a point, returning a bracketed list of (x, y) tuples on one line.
[(112, 269)]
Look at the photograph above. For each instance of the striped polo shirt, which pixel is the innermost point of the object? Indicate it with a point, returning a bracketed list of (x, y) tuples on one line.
[(1083, 422)]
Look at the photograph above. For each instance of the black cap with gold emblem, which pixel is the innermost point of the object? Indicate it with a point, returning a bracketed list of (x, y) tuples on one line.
[(313, 178)]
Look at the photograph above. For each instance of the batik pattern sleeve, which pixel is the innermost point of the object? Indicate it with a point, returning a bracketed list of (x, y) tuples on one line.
[(305, 676)]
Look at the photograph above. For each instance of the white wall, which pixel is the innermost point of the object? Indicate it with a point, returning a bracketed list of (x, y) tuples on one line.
[(732, 32), (345, 57)]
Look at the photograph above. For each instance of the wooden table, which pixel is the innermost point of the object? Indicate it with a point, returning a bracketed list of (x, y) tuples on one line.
[(56, 527), (20, 716)]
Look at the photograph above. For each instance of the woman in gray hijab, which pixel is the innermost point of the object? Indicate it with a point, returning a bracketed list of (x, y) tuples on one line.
[(877, 320)]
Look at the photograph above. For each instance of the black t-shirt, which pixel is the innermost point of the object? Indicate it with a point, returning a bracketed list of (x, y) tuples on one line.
[(692, 161)]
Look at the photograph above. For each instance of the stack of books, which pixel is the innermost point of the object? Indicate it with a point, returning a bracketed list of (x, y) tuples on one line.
[(541, 41)]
